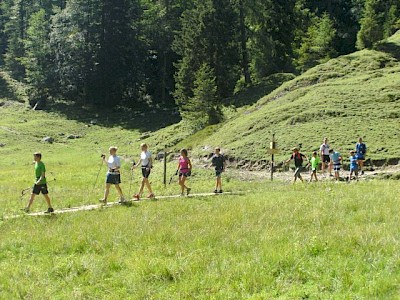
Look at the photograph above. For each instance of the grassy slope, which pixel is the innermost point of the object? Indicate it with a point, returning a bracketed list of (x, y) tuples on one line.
[(351, 96)]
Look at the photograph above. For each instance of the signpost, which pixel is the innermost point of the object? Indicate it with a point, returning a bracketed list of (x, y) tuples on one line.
[(165, 166), (273, 149)]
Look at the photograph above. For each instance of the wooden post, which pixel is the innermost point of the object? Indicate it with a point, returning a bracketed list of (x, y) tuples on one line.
[(272, 156), (165, 166)]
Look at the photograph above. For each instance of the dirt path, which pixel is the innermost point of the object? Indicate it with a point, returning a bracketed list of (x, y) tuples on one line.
[(111, 204)]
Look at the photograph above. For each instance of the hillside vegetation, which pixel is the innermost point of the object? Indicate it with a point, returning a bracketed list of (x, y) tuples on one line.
[(353, 95)]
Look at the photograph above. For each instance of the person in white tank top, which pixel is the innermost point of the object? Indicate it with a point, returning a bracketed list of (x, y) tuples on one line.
[(146, 161)]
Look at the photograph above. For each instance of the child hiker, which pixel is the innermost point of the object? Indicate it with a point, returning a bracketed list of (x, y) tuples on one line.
[(40, 185), (314, 165), (184, 171), (146, 161), (353, 165), (113, 174), (325, 158), (218, 161), (336, 161), (298, 162)]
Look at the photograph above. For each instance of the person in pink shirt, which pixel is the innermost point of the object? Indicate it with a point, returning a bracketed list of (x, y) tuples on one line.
[(184, 171)]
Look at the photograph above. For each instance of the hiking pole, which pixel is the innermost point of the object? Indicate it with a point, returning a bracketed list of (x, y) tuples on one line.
[(98, 173), (131, 180), (25, 191), (172, 177)]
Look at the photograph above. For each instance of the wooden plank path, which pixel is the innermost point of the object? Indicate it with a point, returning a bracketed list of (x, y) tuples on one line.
[(111, 204)]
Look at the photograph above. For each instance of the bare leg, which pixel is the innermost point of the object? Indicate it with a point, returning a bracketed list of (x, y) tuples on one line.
[(31, 198), (47, 198), (219, 183), (121, 195), (106, 191), (147, 183), (182, 183)]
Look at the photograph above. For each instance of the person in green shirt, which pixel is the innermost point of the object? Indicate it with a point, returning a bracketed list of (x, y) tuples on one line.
[(40, 185), (314, 165)]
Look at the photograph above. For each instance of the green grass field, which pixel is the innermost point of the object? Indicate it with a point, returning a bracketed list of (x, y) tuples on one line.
[(321, 241), (277, 241)]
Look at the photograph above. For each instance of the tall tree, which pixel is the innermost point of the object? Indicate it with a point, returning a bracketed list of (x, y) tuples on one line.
[(317, 46), (208, 36), (38, 57)]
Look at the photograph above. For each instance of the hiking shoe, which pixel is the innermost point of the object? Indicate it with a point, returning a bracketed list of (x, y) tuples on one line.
[(220, 191), (49, 210), (25, 210), (103, 201), (362, 172), (121, 200), (216, 191), (182, 195), (151, 196), (188, 191), (136, 197)]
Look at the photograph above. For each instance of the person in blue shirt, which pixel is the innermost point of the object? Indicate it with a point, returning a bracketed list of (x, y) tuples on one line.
[(336, 161), (361, 151), (353, 165)]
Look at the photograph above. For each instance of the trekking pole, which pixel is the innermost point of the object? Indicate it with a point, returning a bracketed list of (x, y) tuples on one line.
[(131, 180), (98, 173), (172, 177)]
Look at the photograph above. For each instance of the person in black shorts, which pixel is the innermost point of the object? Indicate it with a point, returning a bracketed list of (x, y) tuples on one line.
[(146, 162), (219, 162), (325, 158), (298, 162), (40, 185)]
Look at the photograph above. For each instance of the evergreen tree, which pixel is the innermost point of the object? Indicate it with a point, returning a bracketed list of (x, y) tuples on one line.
[(371, 30), (38, 59), (318, 43), (392, 20), (208, 36)]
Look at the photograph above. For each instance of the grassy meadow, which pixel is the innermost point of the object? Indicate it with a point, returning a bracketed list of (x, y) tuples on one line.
[(319, 241)]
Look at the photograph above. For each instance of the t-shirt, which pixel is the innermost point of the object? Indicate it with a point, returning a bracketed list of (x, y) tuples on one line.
[(184, 164), (335, 156), (324, 149), (113, 162), (315, 162), (39, 170), (298, 159), (361, 148), (218, 162), (145, 157), (353, 162)]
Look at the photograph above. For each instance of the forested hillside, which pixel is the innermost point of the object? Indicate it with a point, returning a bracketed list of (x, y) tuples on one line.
[(190, 53)]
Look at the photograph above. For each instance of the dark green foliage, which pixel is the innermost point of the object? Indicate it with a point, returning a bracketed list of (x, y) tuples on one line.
[(152, 52), (207, 38)]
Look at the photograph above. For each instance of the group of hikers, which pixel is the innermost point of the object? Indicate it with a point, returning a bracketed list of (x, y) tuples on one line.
[(113, 175), (327, 158), (331, 159)]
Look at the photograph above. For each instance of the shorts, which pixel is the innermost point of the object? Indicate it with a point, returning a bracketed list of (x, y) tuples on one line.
[(113, 178), (314, 171), (354, 170), (40, 188), (360, 156), (326, 158), (336, 167), (185, 174), (297, 172), (146, 172), (218, 173)]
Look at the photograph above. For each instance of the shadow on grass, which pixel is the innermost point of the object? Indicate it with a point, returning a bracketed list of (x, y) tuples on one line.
[(391, 48), (256, 92), (144, 120)]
